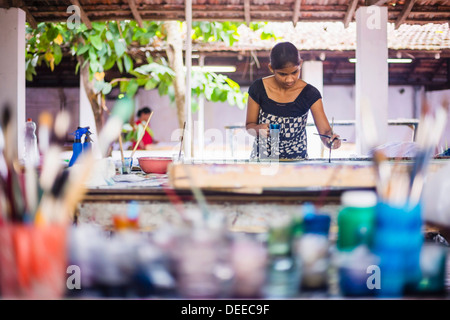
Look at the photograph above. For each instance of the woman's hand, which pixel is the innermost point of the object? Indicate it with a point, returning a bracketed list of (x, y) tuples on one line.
[(334, 142), (263, 130)]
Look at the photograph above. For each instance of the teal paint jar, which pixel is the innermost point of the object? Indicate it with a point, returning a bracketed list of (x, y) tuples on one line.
[(356, 219)]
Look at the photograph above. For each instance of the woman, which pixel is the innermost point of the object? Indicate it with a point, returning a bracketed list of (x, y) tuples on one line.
[(147, 140), (284, 99)]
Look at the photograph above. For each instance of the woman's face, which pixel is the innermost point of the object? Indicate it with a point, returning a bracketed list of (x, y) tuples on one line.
[(287, 76)]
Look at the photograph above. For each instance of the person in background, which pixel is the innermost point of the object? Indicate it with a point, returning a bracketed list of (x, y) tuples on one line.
[(283, 98), (148, 139)]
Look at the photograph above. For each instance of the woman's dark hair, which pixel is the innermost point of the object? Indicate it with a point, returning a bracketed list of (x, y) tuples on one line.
[(284, 53), (143, 110)]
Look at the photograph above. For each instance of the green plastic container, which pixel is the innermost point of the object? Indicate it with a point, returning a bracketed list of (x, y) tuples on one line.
[(356, 219)]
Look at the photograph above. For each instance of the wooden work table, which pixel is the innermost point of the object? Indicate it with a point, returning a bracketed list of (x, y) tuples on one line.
[(251, 195)]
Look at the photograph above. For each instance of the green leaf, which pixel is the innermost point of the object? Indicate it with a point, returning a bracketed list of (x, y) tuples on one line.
[(223, 96), (151, 84), (92, 54), (98, 85), (107, 88), (102, 51), (205, 27), (119, 47), (163, 88), (215, 96), (109, 63), (84, 63), (231, 99), (96, 41), (232, 84), (119, 65), (77, 67), (123, 86), (132, 88), (109, 35), (108, 49), (128, 62), (34, 61), (29, 76), (141, 81), (94, 66), (98, 26), (194, 105), (57, 53), (82, 49), (52, 33)]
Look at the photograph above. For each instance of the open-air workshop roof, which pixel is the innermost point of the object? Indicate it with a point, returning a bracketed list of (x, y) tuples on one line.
[(324, 29)]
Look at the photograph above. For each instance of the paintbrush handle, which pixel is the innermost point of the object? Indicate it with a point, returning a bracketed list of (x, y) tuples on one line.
[(181, 141), (121, 148), (142, 135), (327, 136)]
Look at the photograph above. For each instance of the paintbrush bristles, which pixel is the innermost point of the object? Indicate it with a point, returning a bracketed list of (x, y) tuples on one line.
[(44, 131), (62, 123)]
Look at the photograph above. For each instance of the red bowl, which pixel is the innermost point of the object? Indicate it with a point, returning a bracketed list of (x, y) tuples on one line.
[(154, 164)]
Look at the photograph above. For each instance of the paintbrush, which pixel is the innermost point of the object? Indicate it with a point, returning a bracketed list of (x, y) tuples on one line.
[(329, 137), (142, 136), (31, 172), (428, 138), (52, 168), (181, 141), (331, 144), (383, 173), (13, 190), (122, 157)]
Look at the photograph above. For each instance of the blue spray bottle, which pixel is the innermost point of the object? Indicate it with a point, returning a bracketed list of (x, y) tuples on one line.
[(78, 146)]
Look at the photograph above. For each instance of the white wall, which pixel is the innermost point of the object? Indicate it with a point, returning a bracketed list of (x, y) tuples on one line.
[(53, 100)]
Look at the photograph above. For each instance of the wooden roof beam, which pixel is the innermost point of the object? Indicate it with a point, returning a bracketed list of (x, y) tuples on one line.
[(407, 7), (375, 2), (30, 18), (350, 12), (134, 10), (83, 14), (19, 4), (296, 12), (247, 15)]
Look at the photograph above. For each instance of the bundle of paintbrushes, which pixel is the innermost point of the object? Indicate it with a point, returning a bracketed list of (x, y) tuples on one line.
[(403, 183), (51, 192)]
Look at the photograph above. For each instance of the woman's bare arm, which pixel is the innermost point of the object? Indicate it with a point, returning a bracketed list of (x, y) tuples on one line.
[(323, 126), (251, 123)]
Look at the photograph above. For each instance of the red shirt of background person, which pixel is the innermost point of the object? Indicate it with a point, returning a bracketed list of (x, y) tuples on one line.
[(147, 140)]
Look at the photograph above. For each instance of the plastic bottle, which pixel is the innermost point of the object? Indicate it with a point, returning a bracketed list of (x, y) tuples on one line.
[(78, 146), (312, 250), (31, 152), (356, 219), (274, 133)]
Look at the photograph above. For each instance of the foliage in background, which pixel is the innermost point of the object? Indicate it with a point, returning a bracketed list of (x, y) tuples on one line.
[(116, 44)]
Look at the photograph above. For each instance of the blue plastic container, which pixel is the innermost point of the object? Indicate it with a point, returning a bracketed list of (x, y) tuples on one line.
[(398, 241)]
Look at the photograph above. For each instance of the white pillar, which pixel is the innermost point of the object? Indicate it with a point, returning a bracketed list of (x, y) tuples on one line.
[(12, 71), (371, 78), (87, 119), (188, 58), (201, 117), (312, 73)]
